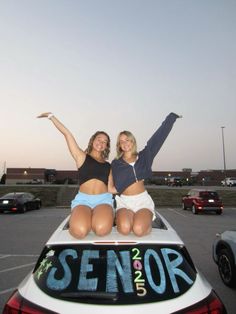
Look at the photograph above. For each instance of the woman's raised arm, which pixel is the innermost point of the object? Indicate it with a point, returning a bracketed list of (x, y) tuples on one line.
[(77, 153)]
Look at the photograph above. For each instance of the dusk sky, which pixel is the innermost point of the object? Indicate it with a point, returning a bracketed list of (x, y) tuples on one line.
[(113, 65)]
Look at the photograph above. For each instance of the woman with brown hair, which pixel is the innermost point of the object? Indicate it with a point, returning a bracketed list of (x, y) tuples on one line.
[(92, 206)]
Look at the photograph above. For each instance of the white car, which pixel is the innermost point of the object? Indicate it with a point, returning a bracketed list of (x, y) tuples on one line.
[(224, 255), (229, 182), (115, 274)]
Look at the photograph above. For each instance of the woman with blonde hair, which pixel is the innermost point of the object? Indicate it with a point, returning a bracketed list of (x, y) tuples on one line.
[(92, 206), (134, 206)]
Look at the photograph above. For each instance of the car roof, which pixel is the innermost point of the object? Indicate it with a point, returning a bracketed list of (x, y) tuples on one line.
[(17, 193), (13, 193), (202, 190), (158, 235)]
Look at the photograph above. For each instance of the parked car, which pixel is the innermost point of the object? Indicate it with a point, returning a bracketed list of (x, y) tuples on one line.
[(201, 200), (224, 255), (229, 182), (19, 202), (174, 181), (115, 274)]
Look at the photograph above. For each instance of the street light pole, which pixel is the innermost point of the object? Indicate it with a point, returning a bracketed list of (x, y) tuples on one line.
[(223, 144)]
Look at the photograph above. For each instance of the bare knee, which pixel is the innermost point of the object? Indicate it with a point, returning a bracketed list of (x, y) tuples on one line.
[(124, 228), (140, 230), (142, 222), (80, 222), (102, 229), (124, 221), (102, 220), (78, 231)]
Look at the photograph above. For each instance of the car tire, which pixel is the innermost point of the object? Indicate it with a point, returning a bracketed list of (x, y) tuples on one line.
[(23, 209), (38, 206), (194, 210), (218, 212), (226, 267), (183, 206)]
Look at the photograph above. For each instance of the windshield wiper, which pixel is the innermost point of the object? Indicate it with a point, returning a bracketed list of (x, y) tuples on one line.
[(90, 295)]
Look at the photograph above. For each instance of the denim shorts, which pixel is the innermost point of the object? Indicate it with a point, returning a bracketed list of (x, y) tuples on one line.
[(92, 200)]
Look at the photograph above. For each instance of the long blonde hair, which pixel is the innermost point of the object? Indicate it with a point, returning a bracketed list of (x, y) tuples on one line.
[(106, 152), (131, 137)]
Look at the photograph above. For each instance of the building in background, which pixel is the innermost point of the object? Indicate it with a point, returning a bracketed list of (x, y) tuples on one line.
[(40, 176), (53, 176)]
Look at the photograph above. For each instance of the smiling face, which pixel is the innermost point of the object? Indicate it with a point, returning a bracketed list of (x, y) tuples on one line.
[(100, 142), (126, 143)]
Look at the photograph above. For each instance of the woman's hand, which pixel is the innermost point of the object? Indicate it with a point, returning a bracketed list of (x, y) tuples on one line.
[(44, 115)]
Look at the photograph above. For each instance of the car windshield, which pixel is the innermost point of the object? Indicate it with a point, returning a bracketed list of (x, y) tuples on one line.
[(209, 195), (115, 274)]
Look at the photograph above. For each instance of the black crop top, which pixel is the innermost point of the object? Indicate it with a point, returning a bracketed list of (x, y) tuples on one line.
[(92, 169)]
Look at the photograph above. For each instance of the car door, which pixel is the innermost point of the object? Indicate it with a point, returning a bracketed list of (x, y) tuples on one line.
[(28, 199), (189, 199)]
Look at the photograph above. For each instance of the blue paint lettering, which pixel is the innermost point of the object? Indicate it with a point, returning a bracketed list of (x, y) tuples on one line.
[(63, 283), (113, 267), (85, 268), (172, 267), (160, 289)]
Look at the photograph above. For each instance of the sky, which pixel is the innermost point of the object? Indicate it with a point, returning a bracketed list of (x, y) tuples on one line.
[(118, 65)]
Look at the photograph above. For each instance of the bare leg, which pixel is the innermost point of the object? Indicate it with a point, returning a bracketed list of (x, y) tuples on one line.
[(80, 221), (124, 220), (102, 219), (142, 222)]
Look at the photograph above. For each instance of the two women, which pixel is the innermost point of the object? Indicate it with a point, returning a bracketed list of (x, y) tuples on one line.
[(92, 206)]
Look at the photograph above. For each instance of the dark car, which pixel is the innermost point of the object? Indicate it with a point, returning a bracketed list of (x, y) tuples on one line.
[(19, 202), (175, 181), (224, 255), (202, 200)]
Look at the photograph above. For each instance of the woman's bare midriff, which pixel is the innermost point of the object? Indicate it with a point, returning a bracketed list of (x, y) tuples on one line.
[(135, 188), (93, 187)]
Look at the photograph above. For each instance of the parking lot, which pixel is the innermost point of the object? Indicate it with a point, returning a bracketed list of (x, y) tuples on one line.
[(24, 235)]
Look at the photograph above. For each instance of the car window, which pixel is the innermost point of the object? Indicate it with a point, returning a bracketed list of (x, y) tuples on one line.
[(28, 196), (115, 274), (9, 195), (209, 195)]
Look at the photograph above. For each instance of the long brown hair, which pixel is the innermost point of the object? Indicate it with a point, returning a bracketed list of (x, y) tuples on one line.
[(106, 152), (131, 137)]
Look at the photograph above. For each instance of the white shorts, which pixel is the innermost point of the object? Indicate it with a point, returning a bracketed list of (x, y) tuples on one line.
[(135, 202)]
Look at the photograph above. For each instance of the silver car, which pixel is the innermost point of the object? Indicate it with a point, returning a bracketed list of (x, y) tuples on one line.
[(224, 255)]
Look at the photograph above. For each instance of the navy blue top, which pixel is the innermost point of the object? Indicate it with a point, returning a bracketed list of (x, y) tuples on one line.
[(125, 174)]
